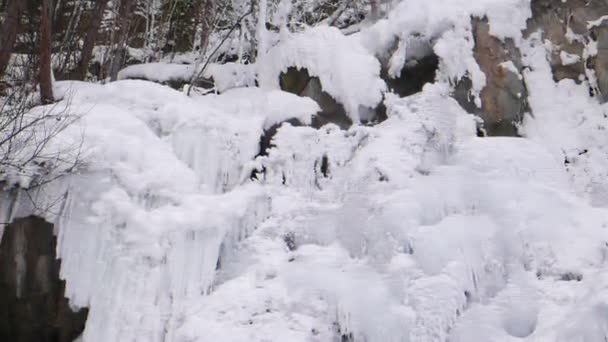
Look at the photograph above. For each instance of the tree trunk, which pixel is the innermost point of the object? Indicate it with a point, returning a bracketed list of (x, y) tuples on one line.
[(207, 21), (122, 37), (374, 9), (45, 76), (8, 32), (196, 9), (262, 34), (91, 38)]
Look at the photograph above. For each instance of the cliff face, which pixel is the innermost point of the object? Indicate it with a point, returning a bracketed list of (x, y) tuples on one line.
[(576, 35), (32, 303)]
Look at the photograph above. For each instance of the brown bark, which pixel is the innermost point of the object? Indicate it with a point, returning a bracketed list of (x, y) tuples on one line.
[(45, 75), (196, 8), (122, 36), (207, 21), (91, 38), (374, 9), (8, 32)]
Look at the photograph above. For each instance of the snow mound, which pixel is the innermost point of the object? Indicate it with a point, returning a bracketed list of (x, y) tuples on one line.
[(224, 76), (157, 72), (569, 122), (415, 229), (275, 106), (347, 72)]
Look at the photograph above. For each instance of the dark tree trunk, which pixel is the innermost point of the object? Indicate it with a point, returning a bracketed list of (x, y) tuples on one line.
[(91, 38), (45, 76), (197, 20), (8, 32), (207, 21), (122, 37), (374, 9)]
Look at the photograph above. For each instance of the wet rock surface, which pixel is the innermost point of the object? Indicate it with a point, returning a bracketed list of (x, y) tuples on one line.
[(32, 303)]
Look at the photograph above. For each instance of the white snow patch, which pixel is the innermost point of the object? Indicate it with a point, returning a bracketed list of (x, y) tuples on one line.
[(346, 70), (569, 58)]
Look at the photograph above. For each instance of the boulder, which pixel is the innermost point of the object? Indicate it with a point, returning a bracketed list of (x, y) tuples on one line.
[(299, 82)]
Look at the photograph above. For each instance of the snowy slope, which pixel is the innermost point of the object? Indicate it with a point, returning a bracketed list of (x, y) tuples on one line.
[(412, 230)]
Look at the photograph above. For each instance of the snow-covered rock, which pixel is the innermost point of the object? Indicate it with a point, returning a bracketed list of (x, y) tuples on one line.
[(347, 71), (412, 229)]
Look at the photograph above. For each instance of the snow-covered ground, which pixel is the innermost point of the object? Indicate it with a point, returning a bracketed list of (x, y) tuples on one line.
[(411, 230)]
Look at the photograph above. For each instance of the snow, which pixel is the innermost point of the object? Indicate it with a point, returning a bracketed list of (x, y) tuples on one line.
[(346, 70), (596, 23), (572, 124), (225, 76), (413, 229), (159, 72), (410, 243), (568, 58), (447, 27)]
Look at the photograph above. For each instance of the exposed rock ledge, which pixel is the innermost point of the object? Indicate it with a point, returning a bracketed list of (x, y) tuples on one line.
[(32, 303)]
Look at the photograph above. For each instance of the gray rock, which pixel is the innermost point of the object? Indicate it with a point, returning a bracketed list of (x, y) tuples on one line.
[(33, 307), (554, 19)]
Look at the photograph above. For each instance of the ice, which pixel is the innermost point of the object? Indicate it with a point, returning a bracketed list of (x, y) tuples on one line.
[(412, 229)]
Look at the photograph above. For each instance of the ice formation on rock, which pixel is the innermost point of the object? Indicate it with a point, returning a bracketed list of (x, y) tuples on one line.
[(413, 229)]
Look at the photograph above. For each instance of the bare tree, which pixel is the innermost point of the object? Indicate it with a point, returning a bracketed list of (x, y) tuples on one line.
[(27, 155), (8, 32), (68, 46), (199, 73), (207, 23), (45, 72), (333, 17), (373, 9), (91, 38), (121, 38)]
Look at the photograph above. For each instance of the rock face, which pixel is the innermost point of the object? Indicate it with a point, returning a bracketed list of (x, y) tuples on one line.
[(579, 39), (32, 303), (504, 98)]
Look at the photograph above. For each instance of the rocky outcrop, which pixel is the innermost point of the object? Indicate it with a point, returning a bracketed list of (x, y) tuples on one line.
[(414, 75), (32, 303), (504, 97), (299, 82), (579, 40)]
